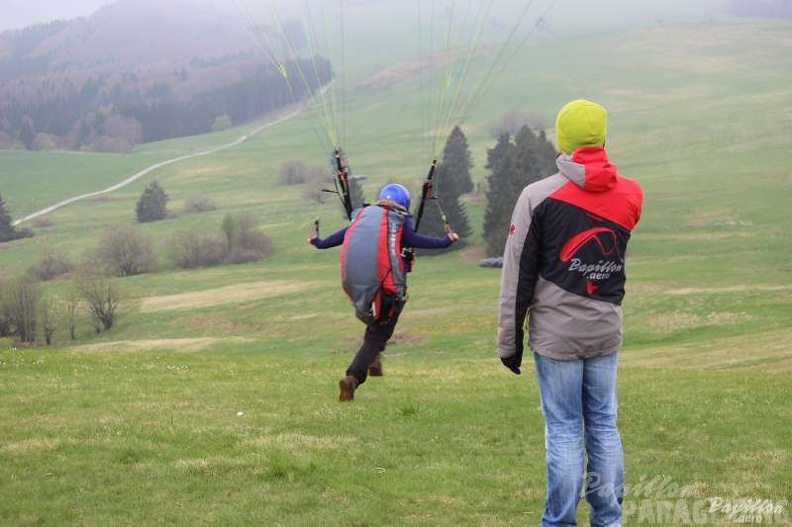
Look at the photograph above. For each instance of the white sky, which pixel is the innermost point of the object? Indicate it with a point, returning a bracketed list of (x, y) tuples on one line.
[(15, 14)]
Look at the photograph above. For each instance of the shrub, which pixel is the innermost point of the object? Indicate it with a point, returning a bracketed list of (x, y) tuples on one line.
[(296, 172), (196, 248), (254, 246), (238, 241), (199, 204), (293, 172), (245, 244), (53, 264), (315, 185), (123, 251)]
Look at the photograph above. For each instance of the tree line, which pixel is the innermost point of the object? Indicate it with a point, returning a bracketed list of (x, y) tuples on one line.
[(108, 114), (29, 315)]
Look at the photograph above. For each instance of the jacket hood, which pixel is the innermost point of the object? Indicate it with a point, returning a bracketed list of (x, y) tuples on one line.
[(589, 168)]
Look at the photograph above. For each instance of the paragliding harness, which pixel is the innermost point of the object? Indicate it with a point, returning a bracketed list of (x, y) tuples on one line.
[(373, 262), (372, 270)]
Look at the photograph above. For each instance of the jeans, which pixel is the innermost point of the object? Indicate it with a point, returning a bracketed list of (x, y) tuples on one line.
[(579, 401)]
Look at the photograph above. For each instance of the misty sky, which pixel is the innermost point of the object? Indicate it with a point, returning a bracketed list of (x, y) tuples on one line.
[(15, 14), (21, 13)]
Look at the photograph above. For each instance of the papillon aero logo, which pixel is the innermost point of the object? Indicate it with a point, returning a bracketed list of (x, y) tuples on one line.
[(603, 240)]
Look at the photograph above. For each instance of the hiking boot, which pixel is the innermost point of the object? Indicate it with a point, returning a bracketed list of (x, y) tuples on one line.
[(375, 370), (346, 388)]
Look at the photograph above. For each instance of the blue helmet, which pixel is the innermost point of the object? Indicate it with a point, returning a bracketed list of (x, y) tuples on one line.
[(397, 193)]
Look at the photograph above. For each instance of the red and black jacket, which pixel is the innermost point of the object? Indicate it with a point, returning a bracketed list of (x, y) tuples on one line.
[(564, 262)]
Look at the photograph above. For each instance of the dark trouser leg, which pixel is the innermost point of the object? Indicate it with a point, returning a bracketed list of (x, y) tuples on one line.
[(374, 341)]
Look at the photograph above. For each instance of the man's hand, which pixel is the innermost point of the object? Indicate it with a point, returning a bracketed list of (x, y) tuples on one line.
[(314, 235), (513, 363), (454, 237)]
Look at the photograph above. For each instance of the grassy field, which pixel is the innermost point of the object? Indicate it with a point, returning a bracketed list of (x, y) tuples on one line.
[(214, 401)]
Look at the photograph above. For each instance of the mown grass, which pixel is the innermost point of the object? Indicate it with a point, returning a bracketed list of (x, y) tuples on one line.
[(139, 426), (446, 438)]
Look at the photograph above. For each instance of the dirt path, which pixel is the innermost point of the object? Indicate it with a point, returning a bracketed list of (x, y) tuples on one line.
[(161, 164)]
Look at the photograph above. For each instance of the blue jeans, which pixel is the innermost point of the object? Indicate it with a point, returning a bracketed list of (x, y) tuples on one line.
[(580, 396)]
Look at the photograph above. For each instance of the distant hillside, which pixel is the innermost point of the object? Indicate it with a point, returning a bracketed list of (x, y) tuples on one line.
[(138, 71)]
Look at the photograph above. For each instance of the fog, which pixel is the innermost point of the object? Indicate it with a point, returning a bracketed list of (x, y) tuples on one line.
[(565, 14), (17, 14)]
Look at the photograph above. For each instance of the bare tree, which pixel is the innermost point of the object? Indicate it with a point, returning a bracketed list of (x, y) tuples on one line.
[(72, 309), (5, 322), (103, 301), (48, 318), (20, 301)]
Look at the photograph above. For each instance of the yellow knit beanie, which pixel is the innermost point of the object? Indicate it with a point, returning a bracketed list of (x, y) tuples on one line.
[(581, 123)]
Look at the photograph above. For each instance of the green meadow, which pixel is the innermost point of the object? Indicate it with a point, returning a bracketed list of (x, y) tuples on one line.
[(213, 402)]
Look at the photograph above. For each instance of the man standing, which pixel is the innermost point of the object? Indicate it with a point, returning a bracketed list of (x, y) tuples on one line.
[(563, 268)]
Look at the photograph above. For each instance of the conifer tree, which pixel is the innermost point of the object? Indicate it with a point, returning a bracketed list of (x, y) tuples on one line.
[(535, 157), (456, 159), (356, 193), (499, 194), (7, 230), (451, 180), (152, 205), (495, 154), (514, 165)]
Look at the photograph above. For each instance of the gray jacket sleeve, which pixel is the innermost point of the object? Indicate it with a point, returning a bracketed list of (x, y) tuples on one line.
[(521, 264), (510, 325)]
